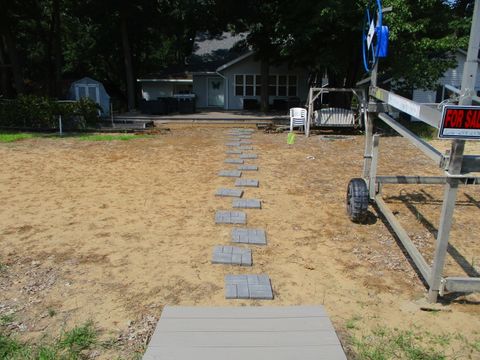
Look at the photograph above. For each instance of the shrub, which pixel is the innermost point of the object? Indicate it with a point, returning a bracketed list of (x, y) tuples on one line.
[(29, 111)]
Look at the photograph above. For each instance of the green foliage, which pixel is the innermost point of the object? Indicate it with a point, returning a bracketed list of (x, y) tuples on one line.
[(70, 346), (38, 112)]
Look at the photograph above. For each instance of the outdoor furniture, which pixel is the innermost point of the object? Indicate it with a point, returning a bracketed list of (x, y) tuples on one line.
[(333, 116), (298, 118)]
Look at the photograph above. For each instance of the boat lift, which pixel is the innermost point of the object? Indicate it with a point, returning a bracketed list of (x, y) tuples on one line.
[(458, 168)]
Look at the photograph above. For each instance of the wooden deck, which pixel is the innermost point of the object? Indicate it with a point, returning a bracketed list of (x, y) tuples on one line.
[(217, 117), (239, 333)]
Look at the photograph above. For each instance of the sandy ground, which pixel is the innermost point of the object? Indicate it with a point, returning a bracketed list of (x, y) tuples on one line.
[(113, 231)]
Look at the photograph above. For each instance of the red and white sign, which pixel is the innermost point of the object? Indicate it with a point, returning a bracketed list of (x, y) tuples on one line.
[(460, 122)]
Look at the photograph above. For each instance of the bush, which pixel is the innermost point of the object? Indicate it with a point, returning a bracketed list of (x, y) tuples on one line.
[(29, 111)]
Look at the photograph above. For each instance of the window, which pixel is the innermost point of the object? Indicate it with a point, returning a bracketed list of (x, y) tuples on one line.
[(278, 85), (247, 85), (239, 85)]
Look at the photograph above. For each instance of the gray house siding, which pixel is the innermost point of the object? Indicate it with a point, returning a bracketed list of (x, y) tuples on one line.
[(249, 66), (450, 77)]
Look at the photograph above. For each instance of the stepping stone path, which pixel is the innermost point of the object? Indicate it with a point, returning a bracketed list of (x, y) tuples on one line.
[(232, 255), (248, 287), (241, 286), (247, 182), (230, 217), (248, 168), (248, 156), (246, 204), (229, 192), (249, 236), (230, 173), (233, 161)]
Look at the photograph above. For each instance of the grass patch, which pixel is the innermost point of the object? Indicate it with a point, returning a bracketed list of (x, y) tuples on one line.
[(71, 345), (6, 319), (11, 137), (385, 344)]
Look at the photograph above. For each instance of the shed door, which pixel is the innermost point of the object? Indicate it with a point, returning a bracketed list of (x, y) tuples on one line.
[(91, 91), (216, 92)]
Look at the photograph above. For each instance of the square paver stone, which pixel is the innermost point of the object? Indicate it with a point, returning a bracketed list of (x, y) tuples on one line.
[(248, 167), (233, 161), (233, 152), (246, 147), (230, 173), (229, 192), (248, 156), (233, 144), (246, 204), (246, 142), (230, 217), (246, 182), (249, 236), (232, 255), (248, 287)]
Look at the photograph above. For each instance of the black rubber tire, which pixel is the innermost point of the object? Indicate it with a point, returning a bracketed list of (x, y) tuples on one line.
[(357, 200)]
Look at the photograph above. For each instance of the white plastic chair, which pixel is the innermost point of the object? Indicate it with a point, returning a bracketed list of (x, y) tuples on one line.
[(298, 118)]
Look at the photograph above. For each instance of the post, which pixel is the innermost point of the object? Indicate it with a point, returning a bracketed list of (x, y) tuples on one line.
[(309, 113), (60, 124), (456, 158), (367, 157), (373, 167)]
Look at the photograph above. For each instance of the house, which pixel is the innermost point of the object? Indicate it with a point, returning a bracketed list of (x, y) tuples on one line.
[(224, 74), (452, 77)]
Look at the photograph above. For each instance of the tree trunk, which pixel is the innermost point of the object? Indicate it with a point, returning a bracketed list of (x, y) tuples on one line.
[(265, 72), (57, 49), (3, 72), (13, 56), (127, 55)]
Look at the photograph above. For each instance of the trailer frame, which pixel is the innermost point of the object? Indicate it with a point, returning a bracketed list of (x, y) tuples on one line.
[(457, 167)]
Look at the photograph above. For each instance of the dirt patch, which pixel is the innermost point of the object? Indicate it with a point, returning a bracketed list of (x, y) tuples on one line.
[(113, 231)]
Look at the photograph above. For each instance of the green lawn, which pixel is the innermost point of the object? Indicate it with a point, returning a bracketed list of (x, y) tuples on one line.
[(6, 137), (11, 137)]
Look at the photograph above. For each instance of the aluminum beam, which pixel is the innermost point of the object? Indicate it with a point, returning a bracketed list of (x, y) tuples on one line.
[(424, 113), (417, 258), (461, 284)]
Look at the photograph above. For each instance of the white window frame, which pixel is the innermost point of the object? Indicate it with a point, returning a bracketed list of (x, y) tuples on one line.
[(244, 84)]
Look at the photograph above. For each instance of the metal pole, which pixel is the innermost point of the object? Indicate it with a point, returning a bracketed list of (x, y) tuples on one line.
[(373, 167), (60, 124), (367, 156), (455, 166)]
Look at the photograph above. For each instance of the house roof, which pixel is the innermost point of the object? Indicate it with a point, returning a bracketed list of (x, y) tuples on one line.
[(211, 52), (236, 60)]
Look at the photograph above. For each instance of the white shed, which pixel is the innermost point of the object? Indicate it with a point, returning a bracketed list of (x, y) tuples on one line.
[(92, 89)]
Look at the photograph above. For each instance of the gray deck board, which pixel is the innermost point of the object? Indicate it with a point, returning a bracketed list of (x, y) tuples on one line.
[(239, 333)]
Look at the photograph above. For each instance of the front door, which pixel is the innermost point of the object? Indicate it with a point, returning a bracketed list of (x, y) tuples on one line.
[(216, 93)]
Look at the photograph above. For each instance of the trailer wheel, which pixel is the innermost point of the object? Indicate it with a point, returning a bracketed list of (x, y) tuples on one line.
[(357, 200)]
